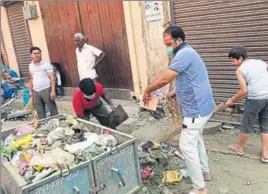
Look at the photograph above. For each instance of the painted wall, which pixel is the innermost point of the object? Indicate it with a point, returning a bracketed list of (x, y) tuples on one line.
[(145, 40), (7, 39), (37, 33)]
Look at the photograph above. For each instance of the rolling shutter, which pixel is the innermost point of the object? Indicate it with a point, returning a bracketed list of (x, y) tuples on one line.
[(20, 35), (214, 27)]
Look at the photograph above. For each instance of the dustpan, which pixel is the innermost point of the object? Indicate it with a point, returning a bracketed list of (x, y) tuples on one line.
[(117, 117)]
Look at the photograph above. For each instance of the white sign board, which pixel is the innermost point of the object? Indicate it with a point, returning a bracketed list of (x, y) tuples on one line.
[(152, 11)]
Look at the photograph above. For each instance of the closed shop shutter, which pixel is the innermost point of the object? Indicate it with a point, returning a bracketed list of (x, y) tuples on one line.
[(214, 27), (20, 35)]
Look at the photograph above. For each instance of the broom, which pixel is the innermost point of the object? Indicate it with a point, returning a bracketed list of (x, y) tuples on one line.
[(177, 127)]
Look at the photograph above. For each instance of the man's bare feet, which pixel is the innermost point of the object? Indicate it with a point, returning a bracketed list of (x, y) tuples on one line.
[(236, 149)]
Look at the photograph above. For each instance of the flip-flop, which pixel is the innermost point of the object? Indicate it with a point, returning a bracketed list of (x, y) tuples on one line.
[(232, 148), (264, 160), (207, 177)]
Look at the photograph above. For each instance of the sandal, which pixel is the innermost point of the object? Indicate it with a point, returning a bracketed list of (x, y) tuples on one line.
[(264, 160), (233, 148), (207, 177)]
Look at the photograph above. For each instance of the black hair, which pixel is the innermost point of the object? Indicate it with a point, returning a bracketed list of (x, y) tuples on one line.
[(175, 32), (34, 48), (87, 86), (58, 68), (237, 53)]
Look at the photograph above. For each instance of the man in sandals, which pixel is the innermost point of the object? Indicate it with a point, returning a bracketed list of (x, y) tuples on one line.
[(195, 94), (252, 76)]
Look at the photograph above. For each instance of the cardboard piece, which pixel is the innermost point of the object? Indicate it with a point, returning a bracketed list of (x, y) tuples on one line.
[(152, 105)]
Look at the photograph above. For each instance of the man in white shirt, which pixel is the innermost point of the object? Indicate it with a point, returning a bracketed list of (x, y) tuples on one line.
[(42, 84), (88, 57)]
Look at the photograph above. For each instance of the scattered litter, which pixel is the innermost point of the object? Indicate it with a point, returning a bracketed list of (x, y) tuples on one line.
[(53, 158), (91, 152), (23, 143), (250, 183), (70, 119), (171, 176), (167, 168), (23, 130), (106, 140), (9, 140), (43, 174), (149, 145), (37, 151), (56, 134), (91, 138), (146, 172)]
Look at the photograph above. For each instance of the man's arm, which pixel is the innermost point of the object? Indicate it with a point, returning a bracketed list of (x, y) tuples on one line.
[(243, 89), (159, 83), (107, 99), (53, 85), (99, 59)]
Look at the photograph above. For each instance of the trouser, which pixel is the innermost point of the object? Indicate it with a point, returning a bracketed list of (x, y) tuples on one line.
[(43, 99), (100, 112), (193, 149)]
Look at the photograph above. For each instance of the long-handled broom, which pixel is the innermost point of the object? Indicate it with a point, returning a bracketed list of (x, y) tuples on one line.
[(177, 126)]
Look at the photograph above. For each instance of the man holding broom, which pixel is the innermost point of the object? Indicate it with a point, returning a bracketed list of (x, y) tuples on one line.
[(195, 95)]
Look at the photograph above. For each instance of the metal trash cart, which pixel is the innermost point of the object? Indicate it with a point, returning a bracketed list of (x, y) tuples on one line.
[(113, 172)]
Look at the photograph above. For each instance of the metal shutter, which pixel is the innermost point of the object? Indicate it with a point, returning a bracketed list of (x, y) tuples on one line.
[(20, 35), (214, 27)]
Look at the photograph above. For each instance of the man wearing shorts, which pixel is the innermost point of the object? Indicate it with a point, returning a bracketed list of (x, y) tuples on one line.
[(252, 76)]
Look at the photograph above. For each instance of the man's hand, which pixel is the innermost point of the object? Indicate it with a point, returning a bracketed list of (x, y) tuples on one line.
[(229, 103), (53, 95), (113, 107), (146, 97)]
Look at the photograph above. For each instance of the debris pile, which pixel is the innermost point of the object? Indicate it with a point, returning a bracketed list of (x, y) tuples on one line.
[(57, 145), (161, 164)]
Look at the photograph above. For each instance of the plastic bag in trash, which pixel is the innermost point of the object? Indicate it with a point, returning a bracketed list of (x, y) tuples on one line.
[(24, 142), (70, 119), (91, 152), (9, 140), (106, 140), (91, 138), (53, 124), (23, 130), (53, 159), (56, 134)]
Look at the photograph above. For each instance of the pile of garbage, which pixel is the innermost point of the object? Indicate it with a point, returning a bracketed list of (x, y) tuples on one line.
[(161, 165), (36, 152)]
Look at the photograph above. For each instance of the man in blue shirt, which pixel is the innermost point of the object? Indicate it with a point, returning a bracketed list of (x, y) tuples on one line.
[(195, 95)]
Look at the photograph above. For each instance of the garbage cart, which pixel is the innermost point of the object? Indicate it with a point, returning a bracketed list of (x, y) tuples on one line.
[(115, 171)]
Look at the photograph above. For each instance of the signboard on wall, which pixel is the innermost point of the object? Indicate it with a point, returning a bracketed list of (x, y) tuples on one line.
[(152, 11)]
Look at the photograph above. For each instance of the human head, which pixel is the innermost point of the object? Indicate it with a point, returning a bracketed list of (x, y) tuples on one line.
[(7, 76), (79, 40), (36, 54), (238, 55), (173, 37), (56, 66), (87, 86)]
